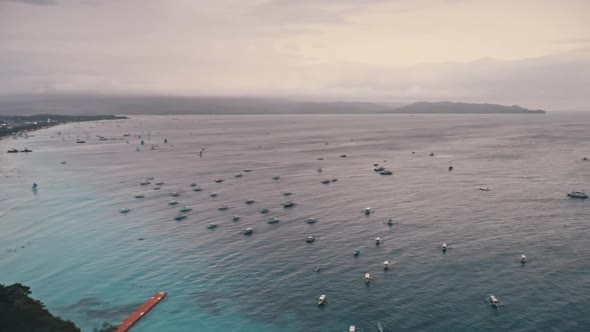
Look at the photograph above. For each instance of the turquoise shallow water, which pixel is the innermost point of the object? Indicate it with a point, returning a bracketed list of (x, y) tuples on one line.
[(83, 258)]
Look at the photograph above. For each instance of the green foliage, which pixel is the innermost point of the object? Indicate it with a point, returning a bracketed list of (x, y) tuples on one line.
[(106, 327), (21, 313)]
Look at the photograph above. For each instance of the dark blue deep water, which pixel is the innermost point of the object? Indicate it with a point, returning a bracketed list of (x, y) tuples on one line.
[(83, 258)]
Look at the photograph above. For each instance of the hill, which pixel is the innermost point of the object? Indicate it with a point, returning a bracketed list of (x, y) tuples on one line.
[(447, 107)]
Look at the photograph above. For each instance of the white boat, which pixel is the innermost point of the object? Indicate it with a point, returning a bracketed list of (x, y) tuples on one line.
[(310, 239), (367, 278), (124, 210), (379, 327), (357, 252), (368, 210), (352, 328), (386, 265), (265, 210), (494, 301), (379, 169), (444, 247), (248, 231), (578, 194), (172, 203), (144, 183), (235, 218), (377, 240), (523, 259), (311, 220), (322, 299), (211, 226), (274, 220), (185, 209)]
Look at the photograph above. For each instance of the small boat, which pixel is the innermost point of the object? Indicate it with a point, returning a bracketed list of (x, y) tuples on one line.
[(320, 158), (179, 217), (137, 149), (523, 259), (142, 142), (319, 169), (185, 209), (386, 265), (334, 180), (451, 168), (156, 188), (352, 328), (444, 247), (311, 220), (13, 151), (367, 278), (222, 208), (578, 194), (26, 150), (238, 175), (357, 252), (264, 210), (276, 177), (585, 159), (219, 180), (124, 210), (379, 169), (247, 170), (342, 156), (378, 241), (144, 183), (213, 195), (368, 211), (172, 202), (327, 181), (310, 239), (235, 218), (140, 196), (288, 204), (35, 185), (431, 154), (79, 141), (64, 162), (494, 301), (390, 222), (287, 193), (318, 268), (211, 226), (174, 194), (250, 201), (193, 185), (197, 189), (375, 165), (274, 220), (159, 183), (484, 188), (322, 299), (386, 172), (379, 327), (248, 231)]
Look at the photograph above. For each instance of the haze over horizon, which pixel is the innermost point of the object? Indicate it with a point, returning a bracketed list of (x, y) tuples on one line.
[(532, 53)]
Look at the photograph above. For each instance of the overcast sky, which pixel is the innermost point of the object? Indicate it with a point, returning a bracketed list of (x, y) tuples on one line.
[(535, 53)]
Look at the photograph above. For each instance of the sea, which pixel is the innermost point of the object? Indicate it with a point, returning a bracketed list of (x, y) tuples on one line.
[(89, 263)]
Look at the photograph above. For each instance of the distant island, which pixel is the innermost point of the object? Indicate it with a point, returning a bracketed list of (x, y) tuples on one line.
[(447, 107), (13, 125)]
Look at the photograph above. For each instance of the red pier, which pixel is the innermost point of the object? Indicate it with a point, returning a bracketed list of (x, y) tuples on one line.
[(141, 311)]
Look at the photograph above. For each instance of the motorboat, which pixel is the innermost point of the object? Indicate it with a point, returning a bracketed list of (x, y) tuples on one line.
[(193, 185), (390, 222), (238, 175), (144, 183), (287, 193), (310, 239), (386, 172), (250, 201), (378, 241), (322, 299), (357, 252), (444, 247), (159, 183), (379, 169), (311, 220), (156, 188), (375, 165), (318, 268), (35, 185), (320, 158), (334, 180), (368, 211), (124, 210), (211, 226), (276, 177), (140, 196), (343, 156), (379, 327), (13, 151), (288, 204), (26, 150), (172, 202), (578, 194), (247, 170), (197, 189), (79, 141), (219, 180), (367, 278), (222, 208), (235, 218), (213, 195), (523, 259), (248, 231), (179, 217), (494, 301), (64, 162), (274, 220), (327, 181), (431, 154), (175, 194), (352, 328), (265, 210), (484, 188), (386, 265), (185, 209)]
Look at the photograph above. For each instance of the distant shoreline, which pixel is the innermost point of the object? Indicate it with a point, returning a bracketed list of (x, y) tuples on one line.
[(13, 125)]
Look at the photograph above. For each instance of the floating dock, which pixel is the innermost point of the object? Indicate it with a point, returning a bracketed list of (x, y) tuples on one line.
[(141, 311)]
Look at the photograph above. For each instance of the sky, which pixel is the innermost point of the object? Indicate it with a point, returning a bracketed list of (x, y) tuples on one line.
[(534, 53)]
